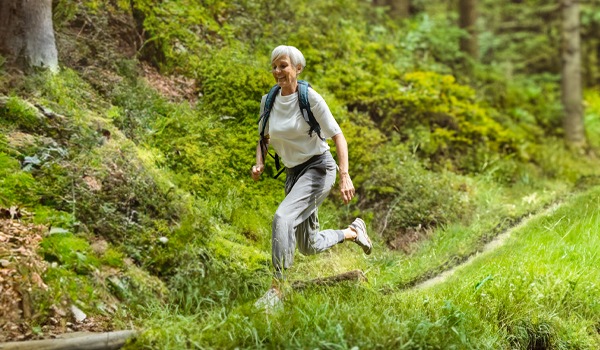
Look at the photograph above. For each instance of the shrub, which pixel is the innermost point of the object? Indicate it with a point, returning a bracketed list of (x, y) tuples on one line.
[(592, 117), (406, 196)]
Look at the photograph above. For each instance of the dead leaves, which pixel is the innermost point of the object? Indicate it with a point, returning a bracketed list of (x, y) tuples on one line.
[(21, 269)]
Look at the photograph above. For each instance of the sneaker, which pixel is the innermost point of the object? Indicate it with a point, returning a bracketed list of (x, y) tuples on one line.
[(271, 301), (362, 239)]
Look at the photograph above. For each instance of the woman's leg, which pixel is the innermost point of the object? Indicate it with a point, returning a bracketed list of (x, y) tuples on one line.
[(296, 217), (312, 241)]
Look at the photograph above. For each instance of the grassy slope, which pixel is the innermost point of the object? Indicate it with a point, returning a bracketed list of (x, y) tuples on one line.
[(217, 311), (537, 291)]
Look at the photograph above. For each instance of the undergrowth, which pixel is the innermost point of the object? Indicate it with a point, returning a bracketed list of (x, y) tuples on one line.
[(156, 220)]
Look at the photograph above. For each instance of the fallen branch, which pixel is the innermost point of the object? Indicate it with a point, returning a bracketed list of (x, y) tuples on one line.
[(88, 341), (354, 275)]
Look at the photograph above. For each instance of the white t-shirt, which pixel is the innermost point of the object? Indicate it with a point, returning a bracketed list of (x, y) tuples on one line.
[(288, 130)]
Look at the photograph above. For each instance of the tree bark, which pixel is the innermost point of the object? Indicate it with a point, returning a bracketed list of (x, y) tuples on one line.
[(467, 19), (89, 341), (571, 74), (399, 8), (354, 275), (27, 34)]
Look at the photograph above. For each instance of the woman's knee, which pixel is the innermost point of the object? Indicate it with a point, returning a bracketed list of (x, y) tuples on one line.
[(281, 218), (310, 247), (281, 224)]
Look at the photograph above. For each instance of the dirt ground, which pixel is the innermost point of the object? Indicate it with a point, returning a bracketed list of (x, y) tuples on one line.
[(22, 285)]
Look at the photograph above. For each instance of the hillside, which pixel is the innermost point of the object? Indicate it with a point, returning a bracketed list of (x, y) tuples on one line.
[(125, 191)]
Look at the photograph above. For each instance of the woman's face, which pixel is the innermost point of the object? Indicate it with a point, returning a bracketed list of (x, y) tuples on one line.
[(285, 74)]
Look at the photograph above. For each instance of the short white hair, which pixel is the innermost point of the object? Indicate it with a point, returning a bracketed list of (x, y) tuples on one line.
[(296, 57)]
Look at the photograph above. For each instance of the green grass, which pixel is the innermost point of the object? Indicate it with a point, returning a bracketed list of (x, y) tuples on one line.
[(539, 290)]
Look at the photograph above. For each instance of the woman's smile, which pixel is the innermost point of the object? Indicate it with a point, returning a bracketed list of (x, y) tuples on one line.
[(285, 74)]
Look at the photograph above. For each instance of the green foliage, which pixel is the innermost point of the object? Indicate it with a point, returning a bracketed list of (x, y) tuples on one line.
[(232, 86), (3, 143), (137, 107), (18, 114), (56, 93), (432, 43), (66, 285), (511, 34), (46, 215), (64, 11), (440, 118), (113, 258), (73, 253), (170, 187), (555, 161), (16, 187), (179, 30), (407, 197), (592, 117), (534, 104)]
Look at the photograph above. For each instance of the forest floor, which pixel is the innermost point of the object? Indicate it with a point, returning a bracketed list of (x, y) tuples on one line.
[(21, 284), (21, 287)]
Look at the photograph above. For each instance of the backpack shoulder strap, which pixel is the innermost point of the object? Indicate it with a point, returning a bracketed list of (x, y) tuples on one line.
[(267, 108), (305, 108)]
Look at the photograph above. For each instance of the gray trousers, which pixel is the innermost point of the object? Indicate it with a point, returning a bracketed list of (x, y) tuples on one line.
[(296, 222)]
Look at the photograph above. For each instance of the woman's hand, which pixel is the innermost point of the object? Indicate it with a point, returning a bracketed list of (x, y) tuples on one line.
[(346, 187), (256, 171)]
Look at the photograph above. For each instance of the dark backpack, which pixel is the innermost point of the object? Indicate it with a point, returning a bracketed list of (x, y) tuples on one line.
[(306, 113)]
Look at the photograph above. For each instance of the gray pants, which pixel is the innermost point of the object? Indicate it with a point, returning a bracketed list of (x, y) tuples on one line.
[(296, 222)]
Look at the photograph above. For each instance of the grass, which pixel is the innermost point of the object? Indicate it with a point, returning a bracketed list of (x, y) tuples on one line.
[(165, 174), (538, 291), (225, 241)]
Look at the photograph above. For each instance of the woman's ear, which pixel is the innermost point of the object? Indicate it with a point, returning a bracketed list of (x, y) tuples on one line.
[(299, 68)]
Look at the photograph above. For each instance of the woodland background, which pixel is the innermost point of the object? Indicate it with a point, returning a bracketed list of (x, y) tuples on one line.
[(128, 135)]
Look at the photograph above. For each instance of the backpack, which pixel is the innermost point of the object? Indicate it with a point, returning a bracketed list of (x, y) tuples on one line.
[(306, 113)]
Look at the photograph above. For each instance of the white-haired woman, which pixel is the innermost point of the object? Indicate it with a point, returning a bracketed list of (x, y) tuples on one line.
[(311, 169)]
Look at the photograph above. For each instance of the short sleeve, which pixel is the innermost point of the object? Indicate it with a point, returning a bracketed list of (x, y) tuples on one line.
[(320, 109)]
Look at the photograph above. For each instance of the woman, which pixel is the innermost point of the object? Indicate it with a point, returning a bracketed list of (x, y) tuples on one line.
[(311, 169)]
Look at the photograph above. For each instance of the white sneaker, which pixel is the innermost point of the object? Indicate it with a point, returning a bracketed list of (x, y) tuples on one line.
[(362, 239), (271, 301)]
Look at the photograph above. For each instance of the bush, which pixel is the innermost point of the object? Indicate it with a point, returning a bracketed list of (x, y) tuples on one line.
[(406, 196), (592, 117)]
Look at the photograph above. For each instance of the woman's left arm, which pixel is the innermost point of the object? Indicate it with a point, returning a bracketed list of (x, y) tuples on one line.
[(346, 186)]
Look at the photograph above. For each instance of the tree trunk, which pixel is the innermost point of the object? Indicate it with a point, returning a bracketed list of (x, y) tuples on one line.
[(354, 275), (75, 341), (27, 34), (467, 18), (399, 8), (571, 74)]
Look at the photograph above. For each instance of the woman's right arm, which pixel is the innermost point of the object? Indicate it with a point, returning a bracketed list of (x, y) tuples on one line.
[(259, 167)]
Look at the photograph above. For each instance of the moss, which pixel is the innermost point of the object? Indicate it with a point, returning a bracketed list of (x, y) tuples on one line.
[(16, 187), (113, 258), (71, 252), (17, 113)]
